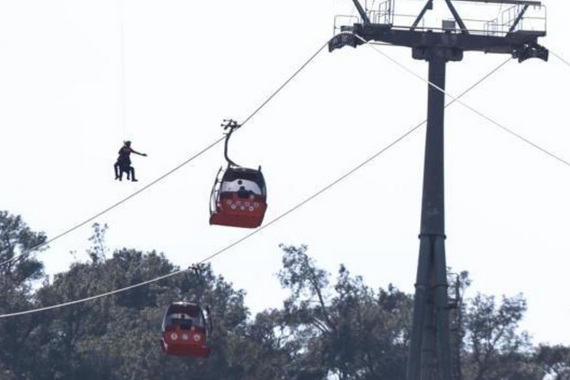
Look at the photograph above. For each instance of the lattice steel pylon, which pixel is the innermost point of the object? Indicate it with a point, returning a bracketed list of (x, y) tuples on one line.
[(515, 31)]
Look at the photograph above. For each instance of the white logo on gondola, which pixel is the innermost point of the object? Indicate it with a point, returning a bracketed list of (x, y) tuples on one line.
[(185, 337), (174, 336), (196, 337)]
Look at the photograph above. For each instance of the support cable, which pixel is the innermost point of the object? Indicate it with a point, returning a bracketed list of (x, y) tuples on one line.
[(270, 223), (162, 177), (472, 109), (560, 58), (122, 58)]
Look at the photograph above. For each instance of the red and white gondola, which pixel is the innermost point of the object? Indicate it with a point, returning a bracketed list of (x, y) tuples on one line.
[(185, 331), (239, 195)]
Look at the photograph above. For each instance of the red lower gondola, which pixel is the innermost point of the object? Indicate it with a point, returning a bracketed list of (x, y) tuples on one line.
[(185, 331), (184, 343)]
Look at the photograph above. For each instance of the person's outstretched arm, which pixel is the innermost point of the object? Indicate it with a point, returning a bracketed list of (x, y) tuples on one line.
[(140, 154)]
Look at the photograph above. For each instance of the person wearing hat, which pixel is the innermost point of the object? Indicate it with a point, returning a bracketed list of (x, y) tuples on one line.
[(123, 164)]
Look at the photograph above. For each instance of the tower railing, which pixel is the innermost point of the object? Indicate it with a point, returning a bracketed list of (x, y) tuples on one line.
[(343, 23), (381, 13), (519, 18), (533, 20)]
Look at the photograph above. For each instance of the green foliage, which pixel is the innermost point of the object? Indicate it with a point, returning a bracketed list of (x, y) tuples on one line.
[(494, 345), (16, 238), (555, 361), (348, 330), (16, 279), (122, 332), (330, 327)]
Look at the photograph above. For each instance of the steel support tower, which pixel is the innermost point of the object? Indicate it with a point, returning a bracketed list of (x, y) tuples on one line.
[(430, 349)]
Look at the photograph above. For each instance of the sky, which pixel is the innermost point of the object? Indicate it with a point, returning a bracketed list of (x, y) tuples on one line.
[(78, 77)]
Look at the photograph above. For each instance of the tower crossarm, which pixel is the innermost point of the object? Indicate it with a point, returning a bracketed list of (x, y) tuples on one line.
[(361, 11), (514, 36), (521, 45)]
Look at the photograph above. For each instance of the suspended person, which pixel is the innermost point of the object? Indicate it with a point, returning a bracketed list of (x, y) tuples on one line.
[(123, 164)]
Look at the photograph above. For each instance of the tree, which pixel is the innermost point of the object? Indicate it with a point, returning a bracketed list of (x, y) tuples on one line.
[(348, 330), (16, 279), (494, 347), (117, 337), (555, 361), (330, 327)]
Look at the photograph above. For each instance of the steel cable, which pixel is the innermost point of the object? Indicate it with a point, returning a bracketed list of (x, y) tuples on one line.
[(560, 58), (472, 109), (270, 223), (159, 179)]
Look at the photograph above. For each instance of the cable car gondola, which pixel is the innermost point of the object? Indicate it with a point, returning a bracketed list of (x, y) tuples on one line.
[(239, 195), (185, 331)]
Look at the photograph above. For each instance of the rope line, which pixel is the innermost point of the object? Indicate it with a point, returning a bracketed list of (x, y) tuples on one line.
[(560, 58), (285, 83), (122, 58), (180, 166), (115, 205), (472, 109), (270, 223)]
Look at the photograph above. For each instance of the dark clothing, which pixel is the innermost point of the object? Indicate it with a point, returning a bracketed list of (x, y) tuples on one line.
[(124, 155), (123, 164), (120, 169)]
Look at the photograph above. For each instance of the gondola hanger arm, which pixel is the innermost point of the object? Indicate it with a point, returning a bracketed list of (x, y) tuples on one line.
[(232, 125)]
